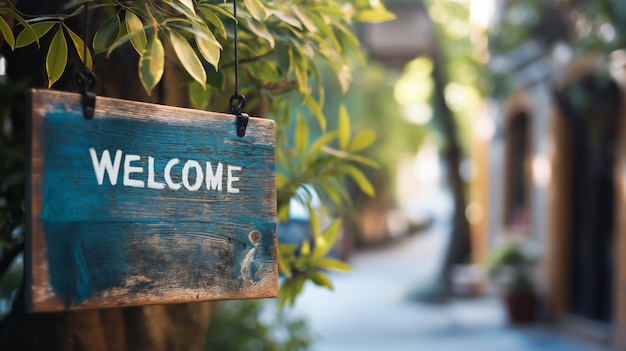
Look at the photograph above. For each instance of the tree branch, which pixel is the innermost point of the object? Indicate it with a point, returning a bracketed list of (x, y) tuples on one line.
[(248, 60)]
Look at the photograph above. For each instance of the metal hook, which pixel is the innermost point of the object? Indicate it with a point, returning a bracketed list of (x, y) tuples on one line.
[(87, 81), (237, 103)]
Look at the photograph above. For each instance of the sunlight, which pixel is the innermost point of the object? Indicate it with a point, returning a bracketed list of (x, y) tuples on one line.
[(482, 13), (418, 113), (415, 85), (542, 171)]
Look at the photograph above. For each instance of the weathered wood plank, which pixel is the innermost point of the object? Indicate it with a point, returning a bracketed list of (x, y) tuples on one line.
[(146, 204)]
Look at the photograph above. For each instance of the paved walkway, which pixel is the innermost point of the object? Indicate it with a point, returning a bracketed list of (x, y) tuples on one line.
[(370, 310)]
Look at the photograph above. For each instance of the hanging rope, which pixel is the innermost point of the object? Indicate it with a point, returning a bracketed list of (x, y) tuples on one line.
[(238, 101), (86, 79)]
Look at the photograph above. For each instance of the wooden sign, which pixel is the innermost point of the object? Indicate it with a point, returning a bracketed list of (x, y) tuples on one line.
[(146, 204)]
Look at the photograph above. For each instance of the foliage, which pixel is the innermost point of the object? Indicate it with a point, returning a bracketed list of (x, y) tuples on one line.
[(582, 27), (464, 62), (509, 255), (11, 165), (301, 262), (601, 25), (516, 25), (320, 164), (510, 266), (372, 102), (280, 47), (288, 36), (9, 285), (254, 325)]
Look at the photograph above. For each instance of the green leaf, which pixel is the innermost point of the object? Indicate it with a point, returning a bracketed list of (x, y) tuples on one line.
[(256, 9), (188, 57), (362, 141), (305, 248), (333, 194), (332, 10), (151, 63), (7, 33), (350, 42), (188, 15), (298, 286), (322, 141), (79, 45), (314, 222), (324, 243), (364, 161), (284, 268), (106, 35), (212, 18), (218, 9), (22, 21), (260, 29), (303, 259), (301, 69), (284, 293), (361, 180), (344, 76), (347, 36), (306, 20), (290, 289), (284, 17), (283, 213), (265, 71), (302, 133), (315, 107), (210, 48), (287, 250), (332, 231), (135, 28), (56, 58), (326, 30), (199, 95), (344, 127), (321, 92), (287, 258), (283, 57), (321, 279), (281, 180), (188, 4), (376, 15), (331, 263), (38, 30)]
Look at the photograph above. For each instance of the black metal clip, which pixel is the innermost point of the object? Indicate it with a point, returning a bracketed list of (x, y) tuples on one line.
[(242, 124), (237, 103), (87, 81)]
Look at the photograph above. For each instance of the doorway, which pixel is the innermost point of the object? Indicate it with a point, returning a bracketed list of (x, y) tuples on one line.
[(591, 108)]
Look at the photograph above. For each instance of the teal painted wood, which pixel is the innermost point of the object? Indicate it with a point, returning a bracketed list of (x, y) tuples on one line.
[(131, 237)]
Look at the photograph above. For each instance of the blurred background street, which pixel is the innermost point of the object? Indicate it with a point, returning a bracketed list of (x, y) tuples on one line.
[(380, 305), (372, 308)]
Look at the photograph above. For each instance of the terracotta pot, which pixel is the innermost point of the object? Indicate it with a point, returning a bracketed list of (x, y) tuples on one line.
[(520, 306)]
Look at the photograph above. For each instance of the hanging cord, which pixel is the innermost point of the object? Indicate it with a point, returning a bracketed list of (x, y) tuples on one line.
[(238, 101), (86, 79)]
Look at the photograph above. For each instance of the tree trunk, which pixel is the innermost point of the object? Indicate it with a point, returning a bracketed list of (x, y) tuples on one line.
[(154, 328), (459, 246)]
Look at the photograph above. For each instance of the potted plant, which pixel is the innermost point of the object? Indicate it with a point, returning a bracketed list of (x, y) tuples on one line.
[(511, 269)]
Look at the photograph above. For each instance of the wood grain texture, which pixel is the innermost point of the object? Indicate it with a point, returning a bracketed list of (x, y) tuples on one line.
[(93, 246)]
